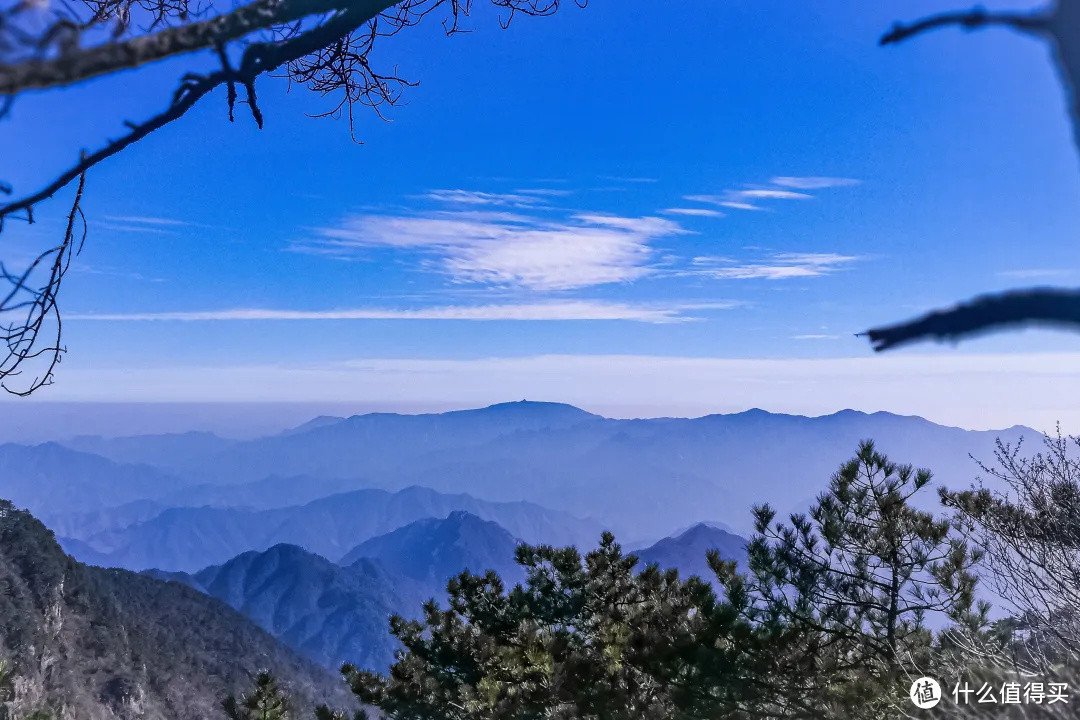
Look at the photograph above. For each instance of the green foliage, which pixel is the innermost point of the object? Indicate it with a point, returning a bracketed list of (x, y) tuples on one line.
[(834, 604), (843, 593), (582, 637), (265, 702), (323, 712)]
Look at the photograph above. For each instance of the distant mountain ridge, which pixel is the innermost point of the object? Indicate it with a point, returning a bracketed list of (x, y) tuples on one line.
[(336, 613), (332, 613), (641, 478), (51, 478), (188, 539), (173, 452)]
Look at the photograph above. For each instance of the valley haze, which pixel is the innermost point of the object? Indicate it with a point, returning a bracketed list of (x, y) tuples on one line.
[(556, 469), (316, 533)]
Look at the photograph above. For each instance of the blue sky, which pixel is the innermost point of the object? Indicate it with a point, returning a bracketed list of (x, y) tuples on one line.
[(726, 181)]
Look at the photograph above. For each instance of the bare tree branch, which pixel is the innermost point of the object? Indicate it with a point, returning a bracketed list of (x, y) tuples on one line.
[(1059, 25), (975, 19), (258, 59), (322, 43), (33, 307), (115, 56), (1047, 307)]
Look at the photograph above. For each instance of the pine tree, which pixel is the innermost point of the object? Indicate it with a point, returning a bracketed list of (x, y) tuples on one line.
[(581, 638), (265, 702), (840, 597), (832, 611)]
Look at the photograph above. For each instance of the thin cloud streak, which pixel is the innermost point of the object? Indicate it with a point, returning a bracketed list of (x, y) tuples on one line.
[(779, 266), (144, 220), (813, 183), (745, 199), (545, 192), (473, 197), (571, 310), (693, 212), (1034, 273), (786, 188), (119, 227)]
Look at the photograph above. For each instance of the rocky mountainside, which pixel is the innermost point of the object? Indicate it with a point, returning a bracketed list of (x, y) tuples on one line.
[(85, 643)]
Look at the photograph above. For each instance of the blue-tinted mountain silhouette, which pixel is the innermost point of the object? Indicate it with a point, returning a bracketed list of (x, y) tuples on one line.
[(686, 552), (188, 539), (329, 613), (640, 478), (431, 551)]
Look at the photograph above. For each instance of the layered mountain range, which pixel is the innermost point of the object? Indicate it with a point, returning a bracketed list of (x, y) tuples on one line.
[(291, 551), (334, 613), (638, 478)]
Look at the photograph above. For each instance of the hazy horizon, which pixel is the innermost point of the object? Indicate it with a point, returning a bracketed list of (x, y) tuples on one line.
[(45, 421)]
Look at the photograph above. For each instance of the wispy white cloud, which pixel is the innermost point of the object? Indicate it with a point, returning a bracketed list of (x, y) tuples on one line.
[(784, 188), (545, 192), (745, 199), (1035, 273), (114, 272), (144, 220), (770, 194), (121, 227), (813, 183), (815, 336), (693, 212), (779, 266), (474, 197), (584, 250), (623, 179), (148, 224), (544, 311)]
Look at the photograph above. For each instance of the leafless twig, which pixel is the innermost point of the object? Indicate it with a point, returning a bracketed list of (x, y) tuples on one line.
[(28, 308)]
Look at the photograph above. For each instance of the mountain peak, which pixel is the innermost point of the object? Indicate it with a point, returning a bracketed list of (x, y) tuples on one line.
[(462, 517), (534, 407), (687, 551), (703, 531), (433, 550)]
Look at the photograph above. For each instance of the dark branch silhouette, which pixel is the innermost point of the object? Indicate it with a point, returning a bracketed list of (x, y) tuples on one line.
[(83, 64), (1059, 25), (323, 44), (28, 307), (1045, 307)]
